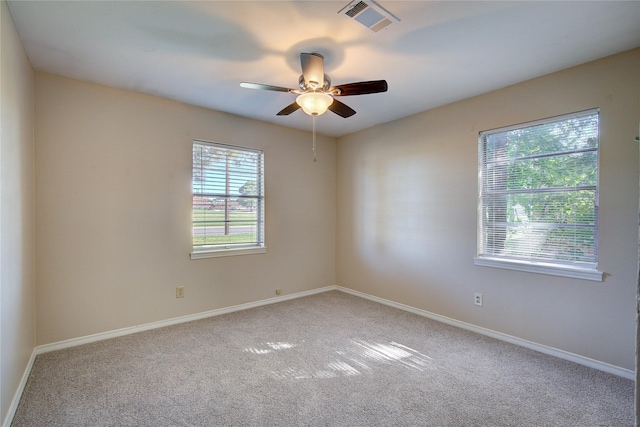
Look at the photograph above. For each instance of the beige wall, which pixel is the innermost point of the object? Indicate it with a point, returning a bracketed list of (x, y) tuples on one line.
[(17, 257), (113, 220), (406, 218)]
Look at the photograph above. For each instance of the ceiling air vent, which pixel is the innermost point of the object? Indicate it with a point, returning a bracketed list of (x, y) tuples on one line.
[(370, 14)]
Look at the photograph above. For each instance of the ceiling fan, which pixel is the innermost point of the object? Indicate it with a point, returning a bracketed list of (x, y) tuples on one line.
[(315, 93)]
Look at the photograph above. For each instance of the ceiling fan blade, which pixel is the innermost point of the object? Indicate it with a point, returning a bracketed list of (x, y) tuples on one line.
[(343, 110), (360, 88), (265, 87), (288, 109), (312, 69)]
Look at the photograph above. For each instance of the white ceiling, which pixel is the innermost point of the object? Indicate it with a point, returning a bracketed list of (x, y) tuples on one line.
[(199, 52)]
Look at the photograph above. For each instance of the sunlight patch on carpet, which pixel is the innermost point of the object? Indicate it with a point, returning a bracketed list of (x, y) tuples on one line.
[(357, 357), (272, 347), (394, 352)]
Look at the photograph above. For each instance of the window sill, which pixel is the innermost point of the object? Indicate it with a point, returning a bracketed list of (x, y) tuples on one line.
[(228, 252), (541, 268)]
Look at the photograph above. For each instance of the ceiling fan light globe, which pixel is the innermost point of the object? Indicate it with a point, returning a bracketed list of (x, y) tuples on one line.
[(314, 103)]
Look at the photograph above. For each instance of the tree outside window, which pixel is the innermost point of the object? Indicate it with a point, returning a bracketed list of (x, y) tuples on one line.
[(538, 186)]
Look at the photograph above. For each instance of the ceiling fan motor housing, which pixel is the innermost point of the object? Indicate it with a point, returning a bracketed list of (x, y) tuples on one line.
[(310, 87)]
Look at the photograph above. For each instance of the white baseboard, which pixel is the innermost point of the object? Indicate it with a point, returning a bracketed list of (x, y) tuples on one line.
[(8, 419), (174, 321), (576, 358)]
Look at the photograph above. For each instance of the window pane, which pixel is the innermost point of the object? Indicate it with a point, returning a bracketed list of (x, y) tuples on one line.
[(538, 191), (228, 203)]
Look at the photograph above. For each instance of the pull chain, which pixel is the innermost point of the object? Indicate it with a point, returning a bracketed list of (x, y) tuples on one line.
[(314, 137)]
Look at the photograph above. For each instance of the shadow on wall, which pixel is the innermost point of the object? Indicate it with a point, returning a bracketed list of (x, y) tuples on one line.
[(407, 206)]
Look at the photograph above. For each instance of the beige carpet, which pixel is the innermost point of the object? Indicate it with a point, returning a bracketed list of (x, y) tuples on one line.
[(330, 359)]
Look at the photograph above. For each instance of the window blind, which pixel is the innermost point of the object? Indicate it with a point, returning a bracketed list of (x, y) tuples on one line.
[(228, 197), (538, 191)]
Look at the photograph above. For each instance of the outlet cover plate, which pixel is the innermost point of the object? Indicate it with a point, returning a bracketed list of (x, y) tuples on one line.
[(477, 299)]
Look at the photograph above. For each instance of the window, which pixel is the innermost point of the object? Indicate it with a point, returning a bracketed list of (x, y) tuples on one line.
[(538, 196), (228, 200)]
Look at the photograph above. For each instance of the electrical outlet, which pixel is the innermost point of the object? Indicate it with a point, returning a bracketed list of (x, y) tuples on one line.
[(477, 299), (278, 291), (179, 291)]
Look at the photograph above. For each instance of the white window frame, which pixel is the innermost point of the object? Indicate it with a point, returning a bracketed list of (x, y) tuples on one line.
[(486, 255), (209, 191)]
